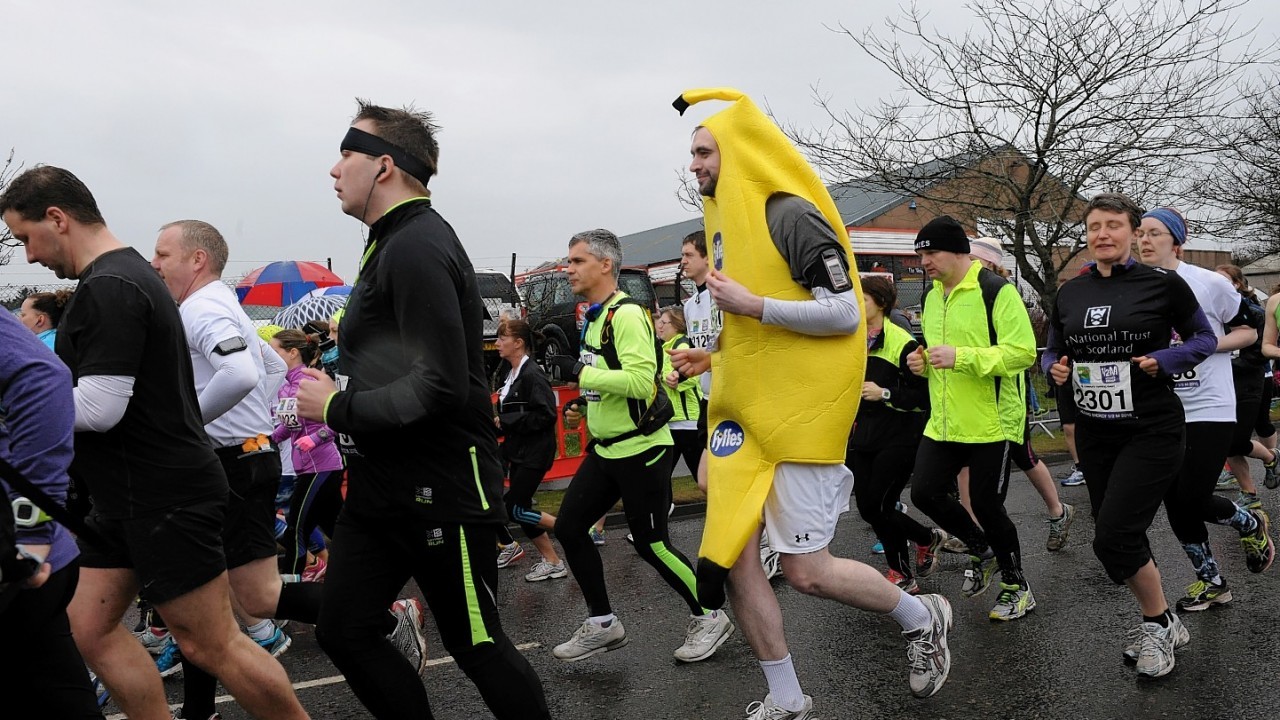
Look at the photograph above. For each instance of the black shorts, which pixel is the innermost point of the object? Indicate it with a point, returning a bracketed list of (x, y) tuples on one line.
[(172, 552), (1066, 404), (1023, 455), (250, 532)]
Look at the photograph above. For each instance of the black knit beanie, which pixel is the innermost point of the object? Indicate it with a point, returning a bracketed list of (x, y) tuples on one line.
[(943, 233)]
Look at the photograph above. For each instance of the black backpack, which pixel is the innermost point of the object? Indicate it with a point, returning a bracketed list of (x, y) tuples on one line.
[(649, 417)]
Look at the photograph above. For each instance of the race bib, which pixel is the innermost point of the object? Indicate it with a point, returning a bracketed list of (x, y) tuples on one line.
[(589, 359), (346, 445), (287, 413), (1103, 390)]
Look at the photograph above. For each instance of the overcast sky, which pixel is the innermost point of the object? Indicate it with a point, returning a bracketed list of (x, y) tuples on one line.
[(556, 116)]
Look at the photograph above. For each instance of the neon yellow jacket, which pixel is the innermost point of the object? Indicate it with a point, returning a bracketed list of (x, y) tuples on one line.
[(685, 396), (964, 405)]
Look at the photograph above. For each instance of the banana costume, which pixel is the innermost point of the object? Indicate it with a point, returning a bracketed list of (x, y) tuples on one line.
[(776, 395)]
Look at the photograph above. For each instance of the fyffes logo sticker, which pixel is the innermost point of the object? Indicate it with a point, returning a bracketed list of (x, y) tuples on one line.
[(727, 438)]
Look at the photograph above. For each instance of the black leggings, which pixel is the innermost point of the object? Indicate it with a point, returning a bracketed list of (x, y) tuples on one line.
[(50, 672), (879, 475), (937, 464), (643, 484), (1129, 471), (689, 445), (1263, 425), (524, 482), (1190, 502), (454, 566), (317, 499)]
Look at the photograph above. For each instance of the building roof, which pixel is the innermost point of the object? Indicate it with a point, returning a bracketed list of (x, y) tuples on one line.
[(858, 201)]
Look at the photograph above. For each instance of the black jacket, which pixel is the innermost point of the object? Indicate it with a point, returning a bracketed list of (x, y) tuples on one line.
[(415, 418), (528, 416)]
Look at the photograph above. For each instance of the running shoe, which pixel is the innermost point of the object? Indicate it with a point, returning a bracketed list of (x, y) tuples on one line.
[(1259, 551), (510, 553), (1249, 501), (153, 639), (277, 643), (1180, 638), (597, 536), (591, 639), (1015, 601), (772, 564), (407, 636), (1202, 596), (955, 546), (1073, 478), (1271, 471), (169, 661), (1226, 480), (1156, 645), (315, 571), (978, 577), (180, 716), (927, 555), (705, 635), (99, 690), (907, 584), (878, 548), (546, 571), (1060, 529), (768, 710), (281, 526), (928, 657), (770, 560)]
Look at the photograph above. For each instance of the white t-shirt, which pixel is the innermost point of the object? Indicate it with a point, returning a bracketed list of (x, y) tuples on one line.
[(211, 316), (703, 321), (511, 379), (1207, 392)]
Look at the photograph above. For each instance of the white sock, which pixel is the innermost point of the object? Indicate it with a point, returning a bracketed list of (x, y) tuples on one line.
[(603, 620), (910, 613), (784, 686), (262, 631)]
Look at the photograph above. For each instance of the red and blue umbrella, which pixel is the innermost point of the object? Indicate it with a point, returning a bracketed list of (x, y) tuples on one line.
[(284, 283)]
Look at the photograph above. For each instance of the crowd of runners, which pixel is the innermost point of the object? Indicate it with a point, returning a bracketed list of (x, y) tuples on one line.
[(230, 479)]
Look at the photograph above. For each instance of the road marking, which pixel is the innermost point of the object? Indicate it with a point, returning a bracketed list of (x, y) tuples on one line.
[(332, 680)]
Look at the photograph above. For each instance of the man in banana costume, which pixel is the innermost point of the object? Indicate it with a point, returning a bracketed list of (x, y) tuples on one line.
[(788, 369)]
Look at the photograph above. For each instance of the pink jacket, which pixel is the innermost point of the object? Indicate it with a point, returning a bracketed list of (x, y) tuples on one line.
[(324, 456)]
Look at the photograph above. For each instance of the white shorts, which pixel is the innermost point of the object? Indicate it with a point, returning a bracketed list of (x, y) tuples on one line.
[(804, 505)]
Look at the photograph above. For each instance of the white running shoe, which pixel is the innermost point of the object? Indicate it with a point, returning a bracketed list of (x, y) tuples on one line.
[(509, 554), (928, 657), (1180, 638), (408, 637), (546, 571), (769, 558), (768, 710), (706, 634), (153, 641), (591, 639)]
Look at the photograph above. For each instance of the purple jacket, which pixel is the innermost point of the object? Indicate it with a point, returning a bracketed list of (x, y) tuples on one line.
[(324, 456), (37, 415)]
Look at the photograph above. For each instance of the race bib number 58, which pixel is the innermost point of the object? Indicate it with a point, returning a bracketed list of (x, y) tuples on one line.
[(1103, 390)]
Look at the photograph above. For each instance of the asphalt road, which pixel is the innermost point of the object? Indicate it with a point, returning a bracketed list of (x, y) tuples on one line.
[(1063, 661)]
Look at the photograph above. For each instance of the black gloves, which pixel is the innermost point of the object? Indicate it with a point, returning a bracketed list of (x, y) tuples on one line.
[(564, 368)]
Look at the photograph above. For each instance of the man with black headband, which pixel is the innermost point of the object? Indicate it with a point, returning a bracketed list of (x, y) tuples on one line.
[(412, 371)]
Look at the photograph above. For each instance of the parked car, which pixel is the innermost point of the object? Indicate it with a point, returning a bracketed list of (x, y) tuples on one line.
[(500, 300), (558, 314)]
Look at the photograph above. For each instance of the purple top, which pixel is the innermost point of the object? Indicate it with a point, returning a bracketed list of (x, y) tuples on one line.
[(324, 456), (37, 417)]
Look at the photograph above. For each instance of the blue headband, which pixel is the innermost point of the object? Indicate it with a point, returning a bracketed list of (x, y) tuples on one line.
[(1172, 220)]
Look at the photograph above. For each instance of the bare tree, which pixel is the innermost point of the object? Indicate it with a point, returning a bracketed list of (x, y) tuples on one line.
[(687, 193), (1040, 102), (1239, 186), (7, 241)]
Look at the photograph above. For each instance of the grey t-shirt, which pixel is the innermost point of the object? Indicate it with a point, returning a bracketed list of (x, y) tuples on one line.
[(802, 234)]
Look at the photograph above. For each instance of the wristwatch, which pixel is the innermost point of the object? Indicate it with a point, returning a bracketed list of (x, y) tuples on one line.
[(27, 515), (885, 394)]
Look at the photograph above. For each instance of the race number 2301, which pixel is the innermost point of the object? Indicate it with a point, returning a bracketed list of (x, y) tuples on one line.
[(1103, 388)]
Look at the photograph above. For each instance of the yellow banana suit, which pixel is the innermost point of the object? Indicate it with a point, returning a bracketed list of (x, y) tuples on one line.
[(776, 395)]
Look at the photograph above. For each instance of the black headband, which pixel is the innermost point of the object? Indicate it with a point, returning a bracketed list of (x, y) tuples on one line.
[(360, 141)]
